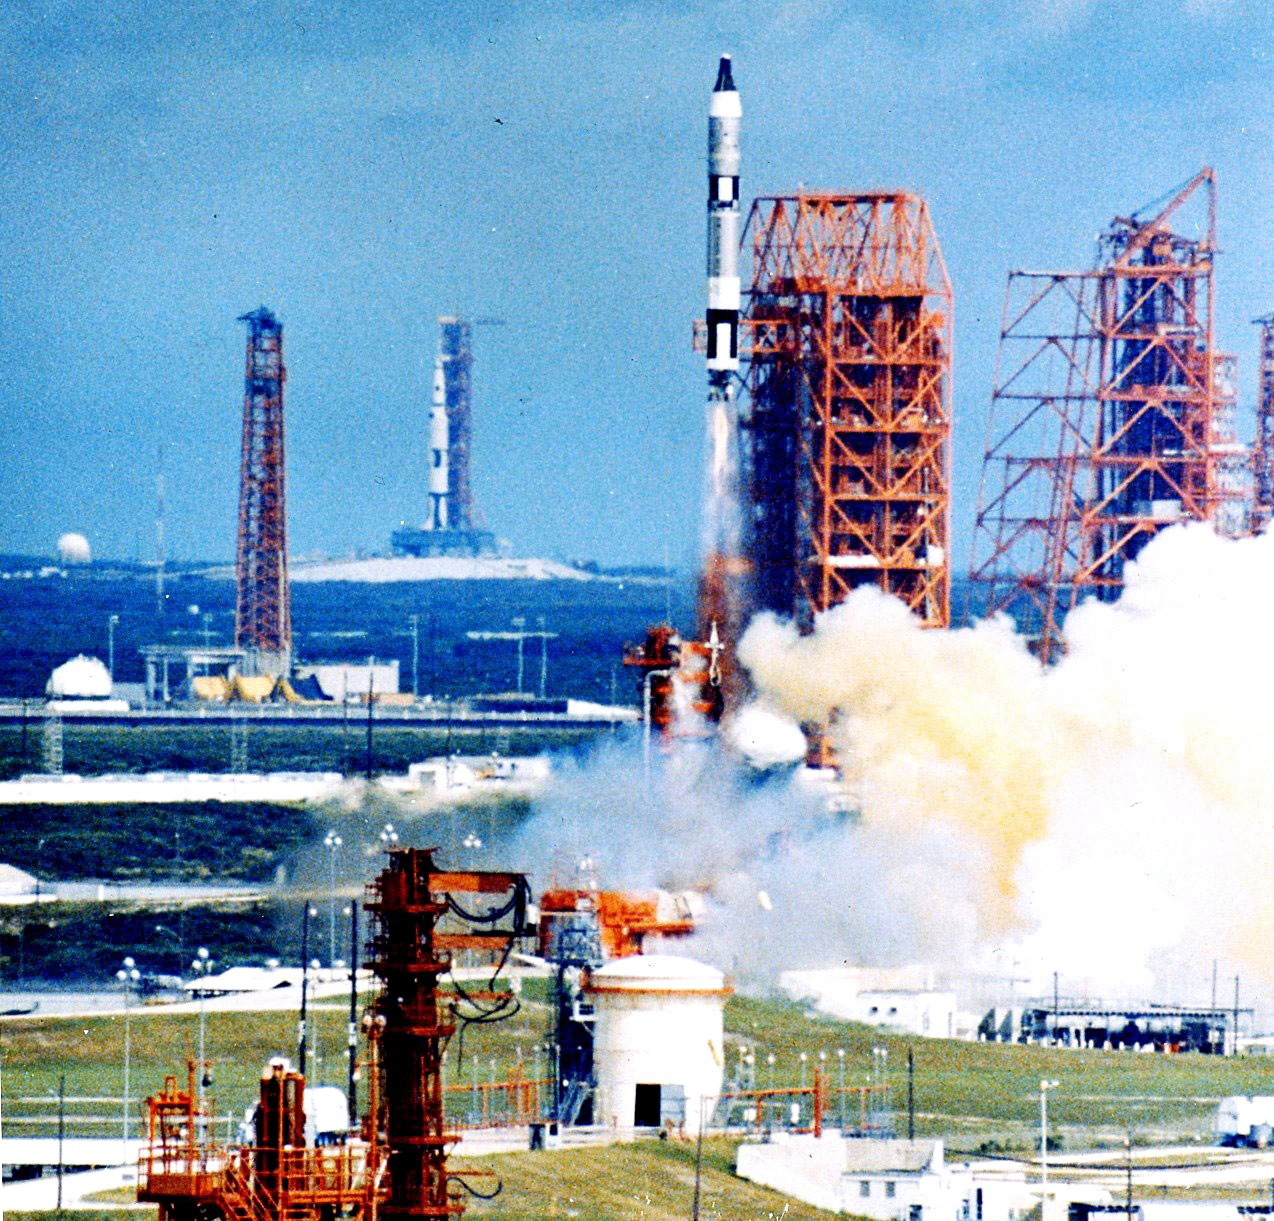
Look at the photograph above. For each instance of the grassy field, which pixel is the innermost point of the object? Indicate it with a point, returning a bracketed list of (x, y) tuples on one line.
[(977, 1096)]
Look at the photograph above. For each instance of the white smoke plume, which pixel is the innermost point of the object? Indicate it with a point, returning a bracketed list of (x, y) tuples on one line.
[(1109, 819)]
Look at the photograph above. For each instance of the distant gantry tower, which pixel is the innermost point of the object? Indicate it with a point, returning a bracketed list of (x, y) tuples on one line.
[(847, 428), (263, 617), (1112, 418), (1263, 450)]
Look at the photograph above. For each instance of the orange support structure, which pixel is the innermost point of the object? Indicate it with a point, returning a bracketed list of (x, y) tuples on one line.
[(414, 1022), (263, 614), (848, 420), (1111, 419)]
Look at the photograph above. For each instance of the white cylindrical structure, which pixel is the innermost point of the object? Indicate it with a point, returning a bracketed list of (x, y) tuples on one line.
[(439, 452), (658, 1047), (725, 117)]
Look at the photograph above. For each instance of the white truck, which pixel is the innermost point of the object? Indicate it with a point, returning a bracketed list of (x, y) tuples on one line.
[(1245, 1122)]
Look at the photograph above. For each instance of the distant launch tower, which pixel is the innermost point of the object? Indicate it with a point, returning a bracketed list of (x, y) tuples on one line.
[(263, 617), (1263, 450), (449, 527), (848, 426), (1112, 417)]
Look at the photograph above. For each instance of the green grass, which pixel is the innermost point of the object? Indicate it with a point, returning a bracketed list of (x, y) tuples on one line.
[(985, 1094), (975, 1095), (652, 1180)]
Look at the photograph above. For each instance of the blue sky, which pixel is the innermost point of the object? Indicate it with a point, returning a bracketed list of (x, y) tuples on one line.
[(363, 168)]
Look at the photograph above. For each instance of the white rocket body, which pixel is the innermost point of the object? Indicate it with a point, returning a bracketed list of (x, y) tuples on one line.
[(439, 452), (725, 117)]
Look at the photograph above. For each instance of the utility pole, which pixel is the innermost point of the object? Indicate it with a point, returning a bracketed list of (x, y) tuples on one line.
[(911, 1094), (352, 1091), (1128, 1187), (415, 656), (61, 1133), (371, 700), (519, 623), (544, 659), (1236, 1015), (301, 1045), (111, 622)]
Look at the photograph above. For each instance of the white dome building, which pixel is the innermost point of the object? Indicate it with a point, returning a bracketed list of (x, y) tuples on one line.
[(83, 683), (74, 549), (658, 1047)]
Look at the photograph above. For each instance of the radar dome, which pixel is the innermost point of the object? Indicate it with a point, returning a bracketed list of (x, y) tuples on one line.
[(81, 678), (74, 549)]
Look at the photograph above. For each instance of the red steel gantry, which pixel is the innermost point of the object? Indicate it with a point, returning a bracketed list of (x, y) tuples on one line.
[(1111, 418), (263, 615), (847, 426), (1263, 450)]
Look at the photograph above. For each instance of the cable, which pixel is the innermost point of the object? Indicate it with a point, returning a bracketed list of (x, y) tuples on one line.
[(473, 1191), (516, 903)]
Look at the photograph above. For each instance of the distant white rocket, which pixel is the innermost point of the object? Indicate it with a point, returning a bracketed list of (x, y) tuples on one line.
[(439, 452)]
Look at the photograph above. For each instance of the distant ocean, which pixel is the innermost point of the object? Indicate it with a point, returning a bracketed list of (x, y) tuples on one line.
[(46, 619)]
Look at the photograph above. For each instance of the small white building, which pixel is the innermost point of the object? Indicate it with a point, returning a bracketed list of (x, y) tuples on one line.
[(342, 681), (900, 998), (460, 776), (899, 1180), (658, 1046)]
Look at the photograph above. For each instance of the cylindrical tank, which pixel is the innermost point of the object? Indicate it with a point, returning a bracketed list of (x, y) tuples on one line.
[(658, 1043)]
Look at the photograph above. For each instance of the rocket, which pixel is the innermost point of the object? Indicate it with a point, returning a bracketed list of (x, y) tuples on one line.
[(725, 114), (439, 450), (720, 584)]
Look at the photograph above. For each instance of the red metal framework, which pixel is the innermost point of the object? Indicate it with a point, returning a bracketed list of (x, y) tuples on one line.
[(681, 684), (263, 616), (278, 1176), (848, 419), (413, 1025), (1263, 450), (1112, 417)]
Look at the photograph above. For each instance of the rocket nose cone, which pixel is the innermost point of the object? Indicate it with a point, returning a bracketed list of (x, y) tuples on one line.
[(725, 78)]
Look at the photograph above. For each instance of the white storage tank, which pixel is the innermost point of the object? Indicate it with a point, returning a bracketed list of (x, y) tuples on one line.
[(658, 1043)]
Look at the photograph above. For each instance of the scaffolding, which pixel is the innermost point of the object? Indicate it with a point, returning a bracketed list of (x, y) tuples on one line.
[(263, 616), (1263, 449), (847, 423), (1112, 417), (412, 1025)]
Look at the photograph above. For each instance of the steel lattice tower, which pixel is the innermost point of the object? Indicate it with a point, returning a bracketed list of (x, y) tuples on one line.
[(263, 617), (1263, 450), (847, 425), (1111, 419)]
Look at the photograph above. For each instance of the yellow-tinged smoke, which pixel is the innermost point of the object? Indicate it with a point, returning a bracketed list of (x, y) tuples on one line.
[(1121, 804)]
